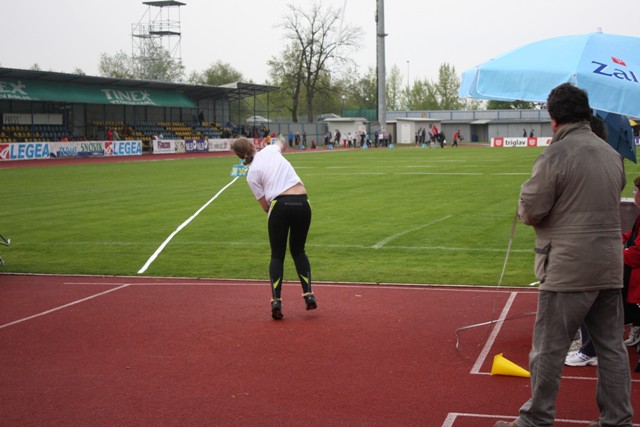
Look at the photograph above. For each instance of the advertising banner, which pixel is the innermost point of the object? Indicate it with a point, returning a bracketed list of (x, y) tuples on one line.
[(220, 144), (504, 142), (179, 145), (24, 150), (46, 150), (35, 90), (196, 145), (164, 146)]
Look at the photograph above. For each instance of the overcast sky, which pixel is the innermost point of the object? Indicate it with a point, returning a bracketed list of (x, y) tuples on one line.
[(63, 35)]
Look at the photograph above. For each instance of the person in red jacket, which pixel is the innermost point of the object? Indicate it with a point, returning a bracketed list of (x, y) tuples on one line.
[(456, 137), (631, 290)]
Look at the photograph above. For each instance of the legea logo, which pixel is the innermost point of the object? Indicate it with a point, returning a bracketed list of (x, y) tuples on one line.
[(5, 152)]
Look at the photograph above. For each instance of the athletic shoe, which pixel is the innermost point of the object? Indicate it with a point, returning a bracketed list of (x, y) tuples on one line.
[(578, 358), (634, 337), (276, 309), (310, 301), (594, 424), (505, 424)]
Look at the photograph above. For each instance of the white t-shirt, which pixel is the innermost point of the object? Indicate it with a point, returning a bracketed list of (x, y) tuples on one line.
[(270, 173)]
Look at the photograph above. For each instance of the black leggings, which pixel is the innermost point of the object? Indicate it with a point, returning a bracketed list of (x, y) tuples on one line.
[(289, 215)]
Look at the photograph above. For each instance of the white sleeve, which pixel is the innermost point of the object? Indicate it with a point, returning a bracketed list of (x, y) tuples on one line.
[(255, 185)]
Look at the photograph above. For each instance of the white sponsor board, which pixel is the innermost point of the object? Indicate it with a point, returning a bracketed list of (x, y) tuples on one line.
[(504, 142), (164, 146), (220, 144)]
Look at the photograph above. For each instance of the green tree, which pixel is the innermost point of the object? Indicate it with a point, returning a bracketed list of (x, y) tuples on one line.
[(394, 91), (286, 72), (119, 66), (422, 96), (506, 105), (217, 74), (362, 92), (447, 87), (153, 63)]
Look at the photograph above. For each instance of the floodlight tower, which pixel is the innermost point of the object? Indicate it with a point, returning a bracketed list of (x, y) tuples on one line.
[(158, 29), (380, 65)]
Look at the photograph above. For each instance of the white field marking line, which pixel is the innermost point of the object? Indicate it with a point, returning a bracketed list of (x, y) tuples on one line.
[(513, 173), (383, 242), (210, 243), (439, 173), (494, 334), (451, 418), (183, 225), (24, 319), (346, 285)]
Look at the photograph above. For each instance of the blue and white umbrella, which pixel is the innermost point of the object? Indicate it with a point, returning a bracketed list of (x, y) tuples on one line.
[(619, 134), (607, 66)]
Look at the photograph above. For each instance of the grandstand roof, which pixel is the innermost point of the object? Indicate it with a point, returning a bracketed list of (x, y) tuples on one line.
[(233, 91)]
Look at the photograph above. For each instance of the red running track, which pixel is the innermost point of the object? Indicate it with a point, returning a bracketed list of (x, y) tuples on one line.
[(111, 351)]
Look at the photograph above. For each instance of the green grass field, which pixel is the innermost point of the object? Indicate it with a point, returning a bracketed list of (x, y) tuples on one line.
[(405, 215)]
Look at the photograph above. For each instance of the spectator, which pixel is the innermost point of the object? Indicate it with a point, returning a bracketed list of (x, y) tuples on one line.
[(573, 202), (631, 289), (456, 136)]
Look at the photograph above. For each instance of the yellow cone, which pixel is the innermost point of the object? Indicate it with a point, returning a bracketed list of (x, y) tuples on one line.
[(502, 366)]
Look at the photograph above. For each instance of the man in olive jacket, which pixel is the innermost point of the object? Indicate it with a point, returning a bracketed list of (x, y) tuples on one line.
[(573, 202)]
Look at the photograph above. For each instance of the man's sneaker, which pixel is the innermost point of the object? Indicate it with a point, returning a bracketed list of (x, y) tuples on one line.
[(276, 309), (310, 301), (578, 358), (634, 337)]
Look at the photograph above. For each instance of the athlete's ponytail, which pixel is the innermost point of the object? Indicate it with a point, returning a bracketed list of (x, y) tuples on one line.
[(244, 149)]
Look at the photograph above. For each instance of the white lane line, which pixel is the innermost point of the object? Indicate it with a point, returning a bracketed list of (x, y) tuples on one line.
[(452, 416), (24, 319), (383, 242), (183, 225), (494, 334)]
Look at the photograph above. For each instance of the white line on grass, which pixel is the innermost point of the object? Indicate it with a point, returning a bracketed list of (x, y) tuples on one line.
[(383, 242), (439, 173), (266, 244), (183, 225), (24, 319)]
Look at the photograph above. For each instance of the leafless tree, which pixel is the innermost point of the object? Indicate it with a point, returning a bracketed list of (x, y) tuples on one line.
[(320, 45)]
